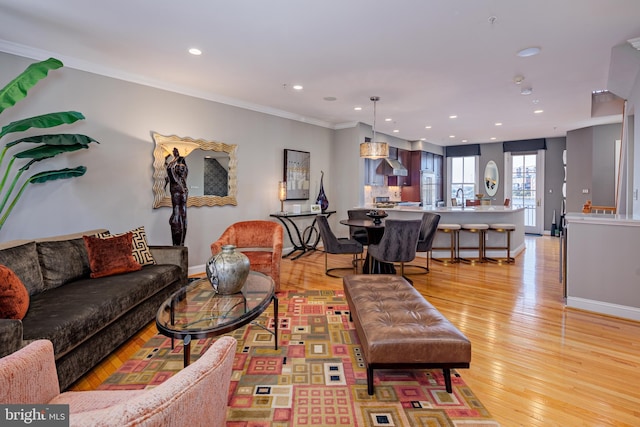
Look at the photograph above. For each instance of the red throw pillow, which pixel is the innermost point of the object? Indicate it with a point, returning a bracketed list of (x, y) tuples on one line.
[(109, 256), (14, 297)]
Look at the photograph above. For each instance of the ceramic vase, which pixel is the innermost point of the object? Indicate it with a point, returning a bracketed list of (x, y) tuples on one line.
[(322, 198), (228, 270)]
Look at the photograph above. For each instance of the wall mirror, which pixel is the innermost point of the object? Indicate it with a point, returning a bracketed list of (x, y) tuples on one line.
[(211, 180), (491, 178)]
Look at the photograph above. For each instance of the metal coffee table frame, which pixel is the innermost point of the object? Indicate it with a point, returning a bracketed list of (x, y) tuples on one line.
[(196, 311)]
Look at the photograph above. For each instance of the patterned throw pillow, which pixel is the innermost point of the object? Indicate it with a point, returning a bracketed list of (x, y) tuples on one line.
[(140, 248), (14, 297), (111, 255)]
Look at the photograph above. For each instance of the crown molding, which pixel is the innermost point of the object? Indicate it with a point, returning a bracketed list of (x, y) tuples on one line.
[(81, 65)]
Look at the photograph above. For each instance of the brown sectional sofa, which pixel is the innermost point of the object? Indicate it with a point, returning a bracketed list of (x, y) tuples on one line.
[(85, 318)]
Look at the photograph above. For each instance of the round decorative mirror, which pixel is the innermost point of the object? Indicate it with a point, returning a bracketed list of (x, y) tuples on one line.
[(491, 178)]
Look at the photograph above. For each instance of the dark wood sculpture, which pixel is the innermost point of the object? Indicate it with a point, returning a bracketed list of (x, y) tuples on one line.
[(177, 172)]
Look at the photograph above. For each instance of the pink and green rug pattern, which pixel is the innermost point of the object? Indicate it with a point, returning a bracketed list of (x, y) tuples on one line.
[(316, 377)]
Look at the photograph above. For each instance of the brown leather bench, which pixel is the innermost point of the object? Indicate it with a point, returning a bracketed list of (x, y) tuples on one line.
[(399, 329)]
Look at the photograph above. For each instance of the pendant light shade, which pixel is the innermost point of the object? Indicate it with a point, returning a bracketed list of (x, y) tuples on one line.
[(373, 149)]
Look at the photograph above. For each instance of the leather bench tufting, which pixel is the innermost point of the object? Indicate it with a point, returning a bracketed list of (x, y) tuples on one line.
[(398, 328)]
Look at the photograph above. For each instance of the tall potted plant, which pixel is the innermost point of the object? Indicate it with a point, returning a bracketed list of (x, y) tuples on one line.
[(48, 145)]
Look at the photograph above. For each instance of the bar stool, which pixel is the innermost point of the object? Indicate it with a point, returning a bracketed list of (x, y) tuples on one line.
[(452, 230), (481, 230), (502, 228)]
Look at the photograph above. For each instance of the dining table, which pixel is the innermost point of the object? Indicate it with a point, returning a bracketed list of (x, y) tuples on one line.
[(374, 235)]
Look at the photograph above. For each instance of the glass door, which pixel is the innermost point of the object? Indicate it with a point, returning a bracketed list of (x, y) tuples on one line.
[(527, 188)]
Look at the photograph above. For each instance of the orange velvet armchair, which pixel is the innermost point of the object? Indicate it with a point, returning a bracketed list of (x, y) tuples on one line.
[(260, 241)]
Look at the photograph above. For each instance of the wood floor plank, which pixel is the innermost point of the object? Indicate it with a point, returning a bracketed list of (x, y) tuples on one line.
[(534, 361)]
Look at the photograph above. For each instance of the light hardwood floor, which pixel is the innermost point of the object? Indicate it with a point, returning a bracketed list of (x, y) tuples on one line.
[(534, 361)]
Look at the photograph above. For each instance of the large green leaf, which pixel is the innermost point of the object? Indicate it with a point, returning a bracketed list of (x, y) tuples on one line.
[(44, 121), (56, 139), (46, 151), (58, 174), (17, 88), (37, 179)]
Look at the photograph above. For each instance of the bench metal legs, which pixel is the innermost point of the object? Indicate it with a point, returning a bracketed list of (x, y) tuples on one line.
[(445, 371)]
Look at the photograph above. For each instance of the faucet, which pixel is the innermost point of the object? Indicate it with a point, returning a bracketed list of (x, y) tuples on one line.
[(460, 191)]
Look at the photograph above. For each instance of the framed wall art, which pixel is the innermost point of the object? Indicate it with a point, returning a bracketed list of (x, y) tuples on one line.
[(296, 174)]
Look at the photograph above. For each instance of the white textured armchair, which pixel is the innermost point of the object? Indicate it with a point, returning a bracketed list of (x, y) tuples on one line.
[(195, 396)]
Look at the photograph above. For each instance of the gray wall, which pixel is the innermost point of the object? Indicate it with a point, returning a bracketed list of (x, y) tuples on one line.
[(116, 192), (590, 166), (553, 179)]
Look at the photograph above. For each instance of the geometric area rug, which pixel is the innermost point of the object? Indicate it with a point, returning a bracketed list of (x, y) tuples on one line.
[(316, 377)]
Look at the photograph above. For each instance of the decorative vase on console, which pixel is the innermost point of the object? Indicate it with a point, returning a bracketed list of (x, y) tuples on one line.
[(228, 270), (322, 198)]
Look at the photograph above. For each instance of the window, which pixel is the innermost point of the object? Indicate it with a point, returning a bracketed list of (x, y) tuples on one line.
[(463, 176)]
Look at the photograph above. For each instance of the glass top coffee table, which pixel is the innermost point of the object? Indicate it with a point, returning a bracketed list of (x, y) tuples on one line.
[(196, 311)]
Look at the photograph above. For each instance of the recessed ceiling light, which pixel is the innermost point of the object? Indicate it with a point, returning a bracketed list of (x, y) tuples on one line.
[(297, 87), (453, 116), (526, 91), (498, 124), (195, 51), (529, 51), (396, 130), (357, 108), (388, 119), (452, 136), (464, 140), (493, 138), (423, 139), (538, 111), (427, 127)]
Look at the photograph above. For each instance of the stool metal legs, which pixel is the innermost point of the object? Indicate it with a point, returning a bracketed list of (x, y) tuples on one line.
[(453, 247)]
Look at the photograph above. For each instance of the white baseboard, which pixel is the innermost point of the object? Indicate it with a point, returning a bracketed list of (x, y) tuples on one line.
[(196, 269), (608, 308)]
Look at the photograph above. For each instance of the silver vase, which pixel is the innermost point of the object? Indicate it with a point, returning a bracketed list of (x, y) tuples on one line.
[(228, 270)]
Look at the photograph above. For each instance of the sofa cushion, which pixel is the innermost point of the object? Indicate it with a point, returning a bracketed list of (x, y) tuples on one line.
[(70, 314), (23, 260), (139, 246), (63, 261), (14, 297), (109, 256)]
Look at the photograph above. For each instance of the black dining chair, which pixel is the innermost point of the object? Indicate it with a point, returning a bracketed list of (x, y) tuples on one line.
[(358, 233), (335, 245), (398, 244), (428, 231)]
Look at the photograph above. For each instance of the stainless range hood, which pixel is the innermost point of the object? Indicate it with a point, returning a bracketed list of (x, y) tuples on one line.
[(391, 167)]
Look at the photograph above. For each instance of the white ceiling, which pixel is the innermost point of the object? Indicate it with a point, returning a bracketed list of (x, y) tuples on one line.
[(426, 59)]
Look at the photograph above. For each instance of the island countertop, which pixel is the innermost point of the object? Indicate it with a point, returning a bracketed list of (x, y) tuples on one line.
[(468, 214)]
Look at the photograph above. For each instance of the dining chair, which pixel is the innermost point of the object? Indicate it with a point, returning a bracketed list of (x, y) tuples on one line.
[(398, 244), (358, 233), (335, 245), (428, 231)]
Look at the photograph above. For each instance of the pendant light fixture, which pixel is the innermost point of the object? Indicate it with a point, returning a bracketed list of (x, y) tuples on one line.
[(373, 149)]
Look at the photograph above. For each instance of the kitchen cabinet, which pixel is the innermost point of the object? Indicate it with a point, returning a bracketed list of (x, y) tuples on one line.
[(423, 161)]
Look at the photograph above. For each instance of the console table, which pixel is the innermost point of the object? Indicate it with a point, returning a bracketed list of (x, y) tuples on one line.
[(306, 240)]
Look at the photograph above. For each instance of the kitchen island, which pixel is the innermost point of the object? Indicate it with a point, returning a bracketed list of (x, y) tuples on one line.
[(469, 215)]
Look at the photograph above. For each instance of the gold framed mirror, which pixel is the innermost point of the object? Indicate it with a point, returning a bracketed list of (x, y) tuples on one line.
[(210, 164)]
